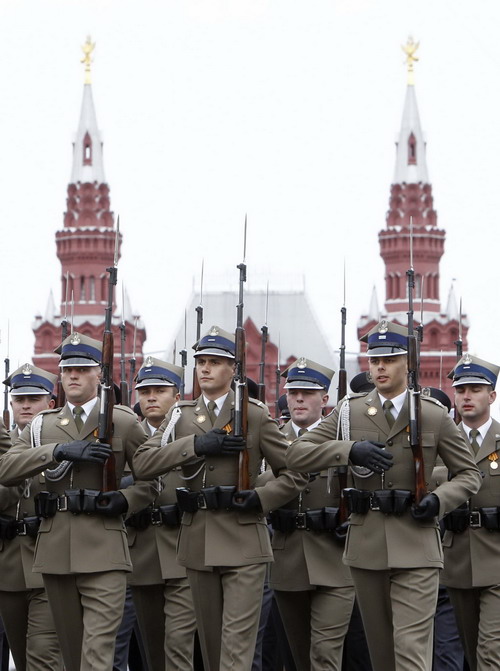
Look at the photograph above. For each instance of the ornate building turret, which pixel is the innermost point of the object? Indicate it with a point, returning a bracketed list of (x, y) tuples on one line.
[(411, 199), (85, 248)]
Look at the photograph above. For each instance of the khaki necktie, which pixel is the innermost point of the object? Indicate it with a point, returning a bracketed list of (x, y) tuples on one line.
[(388, 414), (301, 432), (77, 413), (474, 433), (211, 411)]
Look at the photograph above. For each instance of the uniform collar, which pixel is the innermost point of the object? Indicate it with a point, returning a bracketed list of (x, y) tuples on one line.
[(309, 428), (87, 408), (483, 430), (397, 401)]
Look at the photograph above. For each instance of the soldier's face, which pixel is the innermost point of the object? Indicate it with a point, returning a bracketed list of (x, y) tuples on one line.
[(155, 402), (306, 405), (473, 403), (389, 374), (80, 384), (215, 374), (24, 408)]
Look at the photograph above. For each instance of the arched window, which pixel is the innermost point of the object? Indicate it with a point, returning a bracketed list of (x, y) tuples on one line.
[(87, 150), (82, 289), (412, 150), (92, 288)]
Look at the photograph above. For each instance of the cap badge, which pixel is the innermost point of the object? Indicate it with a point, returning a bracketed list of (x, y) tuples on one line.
[(302, 363), (214, 331), (27, 370), (372, 411), (75, 339), (149, 361), (384, 326), (467, 359)]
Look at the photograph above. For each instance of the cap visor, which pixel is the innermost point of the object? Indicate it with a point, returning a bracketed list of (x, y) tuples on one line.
[(29, 391), (78, 361), (471, 380), (214, 351), (154, 382)]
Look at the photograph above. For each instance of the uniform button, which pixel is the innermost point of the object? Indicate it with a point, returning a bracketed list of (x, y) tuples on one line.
[(184, 454), (337, 457), (389, 442), (211, 468), (307, 490), (389, 484), (44, 458)]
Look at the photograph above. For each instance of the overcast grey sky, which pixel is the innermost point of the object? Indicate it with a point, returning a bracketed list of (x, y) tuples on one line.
[(287, 110)]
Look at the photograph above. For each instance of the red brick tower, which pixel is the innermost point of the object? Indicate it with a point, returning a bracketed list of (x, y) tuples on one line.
[(411, 196), (85, 248)]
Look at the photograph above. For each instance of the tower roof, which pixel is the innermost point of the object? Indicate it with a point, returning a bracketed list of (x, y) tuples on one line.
[(87, 148), (411, 164)]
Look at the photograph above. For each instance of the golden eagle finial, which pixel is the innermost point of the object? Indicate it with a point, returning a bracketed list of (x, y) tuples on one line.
[(410, 48), (87, 49)]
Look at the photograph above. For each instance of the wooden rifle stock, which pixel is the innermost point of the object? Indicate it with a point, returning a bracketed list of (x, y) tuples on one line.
[(341, 392), (262, 366), (105, 429), (6, 413), (415, 425), (241, 407)]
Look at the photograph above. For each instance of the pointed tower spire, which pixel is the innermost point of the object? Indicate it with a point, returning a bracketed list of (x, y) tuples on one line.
[(373, 310), (452, 312), (50, 310)]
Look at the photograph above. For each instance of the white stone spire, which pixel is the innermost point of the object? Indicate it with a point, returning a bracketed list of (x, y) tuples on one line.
[(373, 310), (411, 164), (451, 305), (50, 310), (87, 148)]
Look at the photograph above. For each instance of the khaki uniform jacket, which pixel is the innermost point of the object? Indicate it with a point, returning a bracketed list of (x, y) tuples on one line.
[(377, 541), (305, 559), (471, 558), (222, 537), (153, 550), (70, 543)]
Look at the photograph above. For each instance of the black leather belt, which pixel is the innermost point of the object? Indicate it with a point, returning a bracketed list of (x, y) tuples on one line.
[(219, 497), (479, 518), (287, 520), (75, 501), (10, 527), (387, 501), (168, 515)]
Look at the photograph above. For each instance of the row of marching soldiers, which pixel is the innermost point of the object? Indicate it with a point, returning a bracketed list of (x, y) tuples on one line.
[(201, 556)]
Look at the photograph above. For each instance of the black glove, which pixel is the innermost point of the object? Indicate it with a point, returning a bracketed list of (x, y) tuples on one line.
[(427, 509), (82, 450), (247, 499), (216, 443), (370, 455), (340, 532), (111, 504)]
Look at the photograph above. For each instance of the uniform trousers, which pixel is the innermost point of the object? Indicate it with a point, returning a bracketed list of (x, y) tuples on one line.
[(87, 610), (478, 618), (316, 623), (167, 624), (30, 630), (397, 607), (227, 603)]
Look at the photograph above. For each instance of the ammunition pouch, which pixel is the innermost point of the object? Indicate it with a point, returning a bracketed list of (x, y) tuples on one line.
[(321, 519), (462, 518), (75, 501), (46, 504), (387, 501), (28, 526), (168, 515), (7, 527), (10, 527), (219, 497)]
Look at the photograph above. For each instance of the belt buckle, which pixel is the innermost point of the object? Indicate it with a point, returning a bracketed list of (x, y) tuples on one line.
[(156, 517), (300, 521), (475, 519), (201, 501), (373, 505), (21, 529), (62, 504)]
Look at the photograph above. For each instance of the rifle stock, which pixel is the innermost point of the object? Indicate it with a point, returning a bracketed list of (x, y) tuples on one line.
[(6, 412), (241, 407), (341, 392)]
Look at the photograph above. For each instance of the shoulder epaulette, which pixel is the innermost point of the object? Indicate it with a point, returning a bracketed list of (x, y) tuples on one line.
[(49, 411), (432, 399), (124, 408), (182, 404), (256, 401)]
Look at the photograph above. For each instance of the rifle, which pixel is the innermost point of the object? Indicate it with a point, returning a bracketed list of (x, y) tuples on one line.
[(105, 426), (414, 392), (278, 383), (183, 355), (61, 396), (133, 361), (262, 365), (6, 412), (123, 363), (459, 345), (341, 392), (199, 322), (240, 380)]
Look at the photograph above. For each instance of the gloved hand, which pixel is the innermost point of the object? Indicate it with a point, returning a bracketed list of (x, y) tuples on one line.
[(111, 504), (247, 499), (427, 509), (370, 455), (82, 450), (340, 532), (216, 443)]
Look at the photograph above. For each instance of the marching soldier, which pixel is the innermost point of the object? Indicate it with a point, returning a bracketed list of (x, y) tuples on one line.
[(472, 540), (23, 601), (160, 589), (81, 549), (312, 586), (223, 543), (393, 546)]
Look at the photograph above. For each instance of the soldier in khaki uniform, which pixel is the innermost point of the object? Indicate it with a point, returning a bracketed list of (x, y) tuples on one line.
[(393, 547), (23, 601), (223, 543), (312, 586), (160, 589), (472, 540), (81, 549)]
